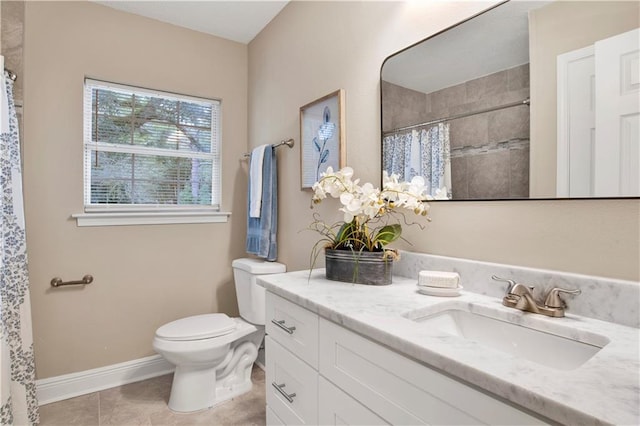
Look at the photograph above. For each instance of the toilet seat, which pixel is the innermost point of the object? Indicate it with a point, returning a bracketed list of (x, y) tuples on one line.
[(197, 327)]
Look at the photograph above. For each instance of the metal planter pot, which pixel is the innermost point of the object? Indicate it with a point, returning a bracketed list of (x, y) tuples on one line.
[(370, 268)]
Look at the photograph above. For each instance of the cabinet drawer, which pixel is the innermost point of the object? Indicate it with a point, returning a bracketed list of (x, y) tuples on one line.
[(338, 408), (293, 327), (291, 386), (402, 391)]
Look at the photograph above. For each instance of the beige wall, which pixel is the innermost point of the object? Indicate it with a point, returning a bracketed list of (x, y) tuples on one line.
[(314, 48), (144, 275), (558, 28)]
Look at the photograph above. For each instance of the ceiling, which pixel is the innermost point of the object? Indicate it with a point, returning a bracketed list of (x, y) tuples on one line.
[(238, 20)]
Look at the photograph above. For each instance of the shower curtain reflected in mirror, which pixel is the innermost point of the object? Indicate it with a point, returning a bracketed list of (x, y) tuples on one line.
[(18, 403), (424, 152)]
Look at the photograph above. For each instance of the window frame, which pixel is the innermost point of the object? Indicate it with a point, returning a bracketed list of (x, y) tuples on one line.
[(142, 214)]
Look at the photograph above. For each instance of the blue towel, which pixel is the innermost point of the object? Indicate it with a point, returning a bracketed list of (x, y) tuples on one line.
[(261, 231)]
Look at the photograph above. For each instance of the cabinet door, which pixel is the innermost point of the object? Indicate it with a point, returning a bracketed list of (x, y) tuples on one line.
[(291, 386), (272, 419), (338, 408), (403, 391)]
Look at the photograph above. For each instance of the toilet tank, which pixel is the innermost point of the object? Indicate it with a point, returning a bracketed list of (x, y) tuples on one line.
[(251, 296)]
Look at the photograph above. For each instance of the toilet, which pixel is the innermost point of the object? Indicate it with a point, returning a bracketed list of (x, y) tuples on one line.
[(213, 353)]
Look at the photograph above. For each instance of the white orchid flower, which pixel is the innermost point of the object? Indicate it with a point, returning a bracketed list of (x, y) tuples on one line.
[(373, 209), (351, 203), (417, 185), (347, 172), (318, 192), (441, 194), (363, 205), (348, 217)]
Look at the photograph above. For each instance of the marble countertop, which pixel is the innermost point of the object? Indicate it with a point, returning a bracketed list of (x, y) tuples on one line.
[(604, 390)]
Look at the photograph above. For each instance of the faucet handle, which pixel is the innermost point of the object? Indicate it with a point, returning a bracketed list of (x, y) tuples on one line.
[(553, 299), (513, 286), (512, 283)]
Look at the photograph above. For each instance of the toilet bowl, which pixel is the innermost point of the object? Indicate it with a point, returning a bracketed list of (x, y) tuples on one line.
[(214, 353)]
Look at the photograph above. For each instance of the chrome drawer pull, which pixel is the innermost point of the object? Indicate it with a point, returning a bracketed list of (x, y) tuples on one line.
[(278, 387), (280, 324)]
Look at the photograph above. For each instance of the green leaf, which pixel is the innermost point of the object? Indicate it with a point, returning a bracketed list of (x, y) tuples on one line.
[(345, 232), (388, 234)]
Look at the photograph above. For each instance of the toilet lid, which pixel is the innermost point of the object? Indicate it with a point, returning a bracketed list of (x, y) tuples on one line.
[(197, 327)]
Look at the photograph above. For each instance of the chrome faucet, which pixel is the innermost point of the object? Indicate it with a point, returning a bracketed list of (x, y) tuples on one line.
[(520, 296)]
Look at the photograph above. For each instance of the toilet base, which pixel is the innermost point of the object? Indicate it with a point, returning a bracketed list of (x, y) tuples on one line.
[(193, 391), (197, 387)]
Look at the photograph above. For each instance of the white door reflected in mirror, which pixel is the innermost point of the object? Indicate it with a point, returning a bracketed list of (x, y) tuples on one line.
[(599, 143)]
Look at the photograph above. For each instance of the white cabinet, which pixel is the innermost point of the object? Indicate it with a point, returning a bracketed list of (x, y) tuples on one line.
[(403, 391), (337, 408), (292, 386), (273, 419), (293, 327), (291, 348), (321, 373)]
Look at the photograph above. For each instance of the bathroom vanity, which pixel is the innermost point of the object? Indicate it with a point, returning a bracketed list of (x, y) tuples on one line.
[(341, 353)]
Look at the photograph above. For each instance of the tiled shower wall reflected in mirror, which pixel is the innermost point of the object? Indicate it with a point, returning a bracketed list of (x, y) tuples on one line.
[(490, 151)]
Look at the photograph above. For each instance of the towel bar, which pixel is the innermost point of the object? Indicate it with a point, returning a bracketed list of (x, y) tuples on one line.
[(289, 142), (57, 282)]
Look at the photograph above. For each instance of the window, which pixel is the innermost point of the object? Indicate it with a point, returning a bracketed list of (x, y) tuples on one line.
[(149, 151)]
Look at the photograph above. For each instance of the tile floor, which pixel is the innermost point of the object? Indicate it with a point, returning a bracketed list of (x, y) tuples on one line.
[(145, 403)]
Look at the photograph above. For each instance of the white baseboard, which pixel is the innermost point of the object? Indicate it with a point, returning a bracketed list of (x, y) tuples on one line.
[(75, 384)]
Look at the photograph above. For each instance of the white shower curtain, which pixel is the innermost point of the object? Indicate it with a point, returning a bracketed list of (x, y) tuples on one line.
[(424, 152), (18, 403)]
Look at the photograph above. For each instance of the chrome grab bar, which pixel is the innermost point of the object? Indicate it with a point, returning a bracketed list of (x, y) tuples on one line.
[(57, 282), (288, 396), (280, 324)]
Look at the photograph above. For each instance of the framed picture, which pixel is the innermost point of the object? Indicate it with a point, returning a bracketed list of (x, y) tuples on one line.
[(321, 137)]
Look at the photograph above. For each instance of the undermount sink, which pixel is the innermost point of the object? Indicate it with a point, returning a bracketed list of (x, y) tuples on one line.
[(521, 341)]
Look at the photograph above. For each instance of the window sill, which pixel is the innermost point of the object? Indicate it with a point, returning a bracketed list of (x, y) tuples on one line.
[(149, 218)]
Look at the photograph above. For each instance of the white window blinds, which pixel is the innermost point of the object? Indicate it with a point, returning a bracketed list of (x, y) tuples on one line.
[(149, 148)]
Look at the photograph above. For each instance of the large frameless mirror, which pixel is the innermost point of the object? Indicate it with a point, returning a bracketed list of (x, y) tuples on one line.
[(535, 99)]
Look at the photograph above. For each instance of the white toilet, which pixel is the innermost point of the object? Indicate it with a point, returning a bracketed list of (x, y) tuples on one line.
[(213, 353)]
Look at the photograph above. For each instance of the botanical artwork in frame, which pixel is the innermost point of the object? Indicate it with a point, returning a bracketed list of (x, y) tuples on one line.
[(322, 137)]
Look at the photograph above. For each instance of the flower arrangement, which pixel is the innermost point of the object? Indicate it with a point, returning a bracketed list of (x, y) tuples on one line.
[(368, 211)]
